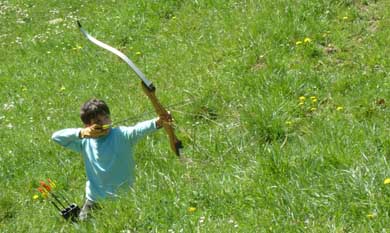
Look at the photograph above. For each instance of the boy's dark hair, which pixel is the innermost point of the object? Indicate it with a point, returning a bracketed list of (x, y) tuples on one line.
[(92, 108)]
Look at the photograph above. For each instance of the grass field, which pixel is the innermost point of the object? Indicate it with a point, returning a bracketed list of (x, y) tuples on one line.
[(283, 106)]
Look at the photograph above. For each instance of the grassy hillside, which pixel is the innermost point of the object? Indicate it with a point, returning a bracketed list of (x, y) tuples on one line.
[(283, 106)]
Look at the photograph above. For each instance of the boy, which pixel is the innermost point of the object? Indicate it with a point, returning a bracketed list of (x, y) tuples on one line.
[(107, 152)]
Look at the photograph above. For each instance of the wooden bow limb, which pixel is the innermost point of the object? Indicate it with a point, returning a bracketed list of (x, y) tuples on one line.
[(175, 143)]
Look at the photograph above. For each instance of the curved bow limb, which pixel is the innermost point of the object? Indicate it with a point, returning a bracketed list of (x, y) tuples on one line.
[(175, 143)]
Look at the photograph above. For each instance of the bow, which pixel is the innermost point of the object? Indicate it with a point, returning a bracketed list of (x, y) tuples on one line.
[(148, 88)]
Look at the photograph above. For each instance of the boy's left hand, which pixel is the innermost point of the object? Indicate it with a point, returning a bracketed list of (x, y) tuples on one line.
[(164, 119)]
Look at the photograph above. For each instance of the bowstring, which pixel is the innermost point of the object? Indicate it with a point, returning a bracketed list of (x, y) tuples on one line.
[(169, 107)]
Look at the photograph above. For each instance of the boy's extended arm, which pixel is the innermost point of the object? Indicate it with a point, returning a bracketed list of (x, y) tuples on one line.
[(68, 138), (137, 131)]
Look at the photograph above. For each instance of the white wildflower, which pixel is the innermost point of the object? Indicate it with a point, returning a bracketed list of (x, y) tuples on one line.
[(8, 106), (20, 21), (201, 219), (18, 40), (125, 231), (55, 21), (54, 11)]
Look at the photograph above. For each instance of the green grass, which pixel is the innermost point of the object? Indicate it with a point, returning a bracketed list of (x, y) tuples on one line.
[(232, 73)]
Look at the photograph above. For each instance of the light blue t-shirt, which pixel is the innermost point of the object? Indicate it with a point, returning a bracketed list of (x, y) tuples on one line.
[(108, 160)]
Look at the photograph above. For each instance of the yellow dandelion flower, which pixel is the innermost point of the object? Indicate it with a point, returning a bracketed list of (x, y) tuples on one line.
[(345, 18), (138, 53), (298, 42), (373, 215), (307, 40), (35, 197), (339, 108), (314, 100), (78, 47), (191, 209), (302, 98), (313, 109), (386, 181)]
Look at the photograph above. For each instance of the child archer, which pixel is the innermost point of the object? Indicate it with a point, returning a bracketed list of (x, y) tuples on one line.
[(107, 152)]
